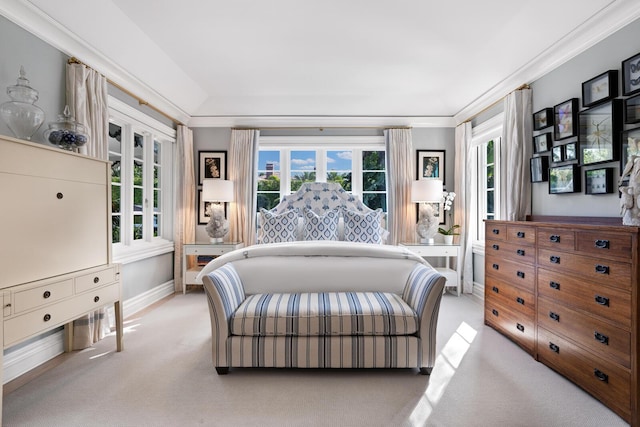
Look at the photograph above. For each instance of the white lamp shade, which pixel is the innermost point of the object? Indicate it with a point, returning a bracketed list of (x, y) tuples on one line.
[(426, 190), (217, 190)]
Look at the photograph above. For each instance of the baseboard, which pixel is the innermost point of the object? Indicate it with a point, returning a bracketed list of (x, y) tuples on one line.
[(32, 355), (478, 290)]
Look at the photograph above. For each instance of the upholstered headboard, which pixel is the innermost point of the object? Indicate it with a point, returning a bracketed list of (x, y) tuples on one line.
[(320, 197)]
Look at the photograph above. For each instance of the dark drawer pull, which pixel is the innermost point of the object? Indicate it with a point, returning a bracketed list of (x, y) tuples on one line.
[(554, 316), (601, 338), (520, 234), (496, 231), (496, 247), (96, 298), (495, 289), (47, 317), (496, 266), (520, 327), (520, 274), (554, 259), (59, 195), (602, 244), (554, 238), (601, 375), (554, 285), (495, 312), (520, 300), (554, 347), (520, 252), (96, 279), (602, 269), (46, 294), (602, 300)]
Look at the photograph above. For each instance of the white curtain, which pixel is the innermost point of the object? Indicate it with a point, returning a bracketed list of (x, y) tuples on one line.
[(463, 202), (87, 100), (401, 219), (184, 224), (516, 149), (243, 159)]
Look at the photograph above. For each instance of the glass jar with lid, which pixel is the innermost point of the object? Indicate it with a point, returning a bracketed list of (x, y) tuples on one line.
[(66, 132), (21, 114)]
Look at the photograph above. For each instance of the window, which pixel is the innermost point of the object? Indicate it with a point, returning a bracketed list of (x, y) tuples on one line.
[(358, 164), (141, 154)]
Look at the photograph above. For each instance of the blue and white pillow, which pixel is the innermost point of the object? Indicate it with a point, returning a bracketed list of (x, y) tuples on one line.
[(363, 227), (323, 227), (278, 228)]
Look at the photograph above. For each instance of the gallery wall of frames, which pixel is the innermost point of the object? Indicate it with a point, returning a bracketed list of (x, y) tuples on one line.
[(577, 143)]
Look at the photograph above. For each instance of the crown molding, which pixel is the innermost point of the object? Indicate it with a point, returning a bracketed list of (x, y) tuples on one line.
[(320, 121)]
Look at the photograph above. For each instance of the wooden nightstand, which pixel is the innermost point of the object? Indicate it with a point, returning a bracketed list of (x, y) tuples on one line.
[(454, 277), (203, 253)]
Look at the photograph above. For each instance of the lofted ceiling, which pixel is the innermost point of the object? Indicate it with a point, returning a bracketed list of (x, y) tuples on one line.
[(208, 59)]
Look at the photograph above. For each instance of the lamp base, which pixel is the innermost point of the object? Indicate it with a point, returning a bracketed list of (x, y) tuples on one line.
[(216, 239), (427, 241)]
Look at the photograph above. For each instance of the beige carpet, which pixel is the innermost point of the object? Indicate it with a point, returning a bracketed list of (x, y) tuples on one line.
[(165, 378)]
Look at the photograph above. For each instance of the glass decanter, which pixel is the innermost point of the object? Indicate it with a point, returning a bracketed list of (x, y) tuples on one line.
[(21, 114), (66, 132)]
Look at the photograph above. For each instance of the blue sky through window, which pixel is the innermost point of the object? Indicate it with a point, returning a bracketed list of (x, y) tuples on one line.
[(306, 160)]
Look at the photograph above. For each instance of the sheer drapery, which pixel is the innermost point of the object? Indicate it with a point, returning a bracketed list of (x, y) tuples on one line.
[(515, 194), (463, 202), (184, 225), (87, 100), (401, 218), (243, 158)]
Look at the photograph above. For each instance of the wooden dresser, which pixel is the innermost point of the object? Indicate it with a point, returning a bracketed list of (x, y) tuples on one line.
[(55, 255), (582, 281)]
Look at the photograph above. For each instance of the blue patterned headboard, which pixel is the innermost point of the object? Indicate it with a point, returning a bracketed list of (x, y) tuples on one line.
[(320, 197)]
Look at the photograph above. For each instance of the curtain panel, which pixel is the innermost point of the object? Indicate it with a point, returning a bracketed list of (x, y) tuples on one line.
[(401, 219), (184, 225), (243, 161), (464, 201)]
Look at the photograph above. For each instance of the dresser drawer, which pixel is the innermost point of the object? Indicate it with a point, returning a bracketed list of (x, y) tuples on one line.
[(517, 274), (516, 326), (609, 303), (516, 299), (42, 295), (521, 234), (96, 279), (495, 231), (610, 342), (605, 244), (512, 251), (20, 327), (605, 380), (556, 239), (611, 273)]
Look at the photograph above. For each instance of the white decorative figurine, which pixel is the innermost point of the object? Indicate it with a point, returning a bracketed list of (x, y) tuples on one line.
[(630, 194)]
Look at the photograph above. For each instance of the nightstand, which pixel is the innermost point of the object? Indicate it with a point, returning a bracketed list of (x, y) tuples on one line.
[(454, 277), (203, 253)]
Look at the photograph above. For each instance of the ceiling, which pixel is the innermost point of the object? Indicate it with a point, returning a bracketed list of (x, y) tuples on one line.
[(203, 60)]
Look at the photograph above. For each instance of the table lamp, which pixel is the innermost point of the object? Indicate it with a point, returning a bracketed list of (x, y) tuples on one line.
[(425, 191), (217, 191)]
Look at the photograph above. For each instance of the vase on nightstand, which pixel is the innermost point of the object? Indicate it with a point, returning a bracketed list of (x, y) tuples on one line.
[(448, 239)]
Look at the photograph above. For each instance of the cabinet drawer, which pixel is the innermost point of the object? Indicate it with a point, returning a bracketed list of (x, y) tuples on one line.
[(605, 244), (557, 239), (512, 251), (610, 342), (606, 381), (517, 274), (607, 272), (96, 279), (516, 299), (521, 234), (21, 327), (516, 326), (609, 303), (495, 231), (42, 295)]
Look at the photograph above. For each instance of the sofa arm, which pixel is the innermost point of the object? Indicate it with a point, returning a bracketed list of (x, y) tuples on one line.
[(225, 293), (423, 292)]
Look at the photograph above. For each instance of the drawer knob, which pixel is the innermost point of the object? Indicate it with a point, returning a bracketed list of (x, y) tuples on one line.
[(602, 244), (46, 294), (554, 259), (554, 316), (496, 231), (495, 289), (520, 234), (601, 338), (59, 195), (96, 279), (520, 274), (554, 348), (47, 317), (520, 252), (7, 305), (554, 238), (602, 300), (96, 298), (602, 269), (601, 375), (520, 327), (494, 312), (520, 300), (496, 266), (495, 247), (554, 285)]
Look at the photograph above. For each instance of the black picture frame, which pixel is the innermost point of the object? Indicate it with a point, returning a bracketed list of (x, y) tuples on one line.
[(542, 119), (212, 164), (541, 142), (557, 154), (600, 128), (430, 164), (539, 169), (565, 119), (601, 88), (632, 110), (203, 206), (570, 151), (564, 179), (630, 146), (598, 181), (631, 75)]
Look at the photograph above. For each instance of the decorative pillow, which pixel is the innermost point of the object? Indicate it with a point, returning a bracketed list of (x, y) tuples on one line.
[(323, 227), (366, 228), (279, 227)]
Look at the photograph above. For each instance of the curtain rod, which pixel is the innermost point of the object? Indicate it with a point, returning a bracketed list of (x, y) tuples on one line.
[(74, 60), (493, 104)]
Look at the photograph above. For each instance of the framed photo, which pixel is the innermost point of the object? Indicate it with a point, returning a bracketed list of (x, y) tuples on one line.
[(430, 164), (598, 181), (570, 151), (600, 88), (557, 154), (542, 119), (564, 179), (213, 164), (630, 146), (632, 110), (539, 169), (565, 119), (542, 142), (600, 128), (631, 75), (203, 208)]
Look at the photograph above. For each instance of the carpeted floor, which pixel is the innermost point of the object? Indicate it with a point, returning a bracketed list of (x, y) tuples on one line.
[(165, 378)]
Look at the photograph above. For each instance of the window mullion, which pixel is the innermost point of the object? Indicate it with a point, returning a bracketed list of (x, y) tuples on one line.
[(321, 165), (127, 190), (285, 172), (356, 172)]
